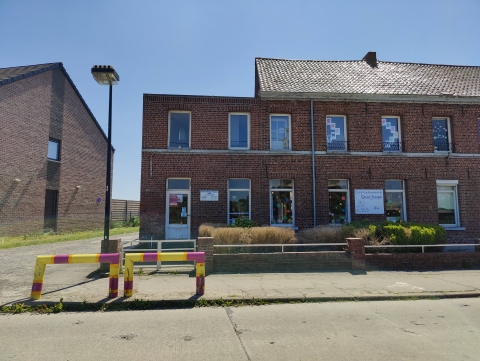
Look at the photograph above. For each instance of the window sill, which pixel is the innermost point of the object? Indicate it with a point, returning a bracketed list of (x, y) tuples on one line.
[(454, 228), (54, 160), (281, 225)]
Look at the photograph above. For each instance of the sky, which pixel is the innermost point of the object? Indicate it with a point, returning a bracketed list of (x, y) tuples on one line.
[(206, 47)]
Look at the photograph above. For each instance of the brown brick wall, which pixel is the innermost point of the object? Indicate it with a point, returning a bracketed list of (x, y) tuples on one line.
[(32, 110), (209, 129), (423, 261)]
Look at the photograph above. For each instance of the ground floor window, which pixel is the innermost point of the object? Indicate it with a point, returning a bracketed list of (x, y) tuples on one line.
[(447, 201), (395, 200), (281, 202), (238, 199), (338, 201)]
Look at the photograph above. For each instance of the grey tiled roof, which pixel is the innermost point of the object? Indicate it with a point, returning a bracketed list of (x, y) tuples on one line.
[(358, 77), (11, 74)]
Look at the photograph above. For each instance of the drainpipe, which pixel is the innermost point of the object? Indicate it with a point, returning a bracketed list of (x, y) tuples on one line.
[(313, 167)]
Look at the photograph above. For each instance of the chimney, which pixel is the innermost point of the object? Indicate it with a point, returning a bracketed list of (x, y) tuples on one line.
[(371, 58)]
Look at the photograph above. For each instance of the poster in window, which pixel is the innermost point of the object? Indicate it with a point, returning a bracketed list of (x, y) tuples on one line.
[(369, 201)]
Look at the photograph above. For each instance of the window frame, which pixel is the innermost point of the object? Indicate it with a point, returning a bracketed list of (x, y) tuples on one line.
[(345, 135), (229, 131), (454, 184), (239, 189), (170, 112), (449, 131), (58, 142), (292, 207), (399, 131), (289, 131), (347, 208), (404, 203)]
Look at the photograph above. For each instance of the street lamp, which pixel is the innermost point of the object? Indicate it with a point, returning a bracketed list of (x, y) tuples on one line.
[(106, 75)]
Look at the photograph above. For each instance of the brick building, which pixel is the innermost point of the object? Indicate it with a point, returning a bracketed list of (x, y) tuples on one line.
[(322, 142), (52, 153)]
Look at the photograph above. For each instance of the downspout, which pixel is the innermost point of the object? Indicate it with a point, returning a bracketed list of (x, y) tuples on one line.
[(313, 167)]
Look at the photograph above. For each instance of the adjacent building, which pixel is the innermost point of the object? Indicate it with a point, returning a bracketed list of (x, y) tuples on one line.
[(52, 153), (320, 143)]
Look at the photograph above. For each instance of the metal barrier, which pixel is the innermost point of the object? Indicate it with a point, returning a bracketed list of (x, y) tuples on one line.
[(42, 261), (278, 245), (423, 246), (131, 258), (159, 248)]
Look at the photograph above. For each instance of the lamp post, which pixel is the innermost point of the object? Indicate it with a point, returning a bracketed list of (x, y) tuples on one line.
[(106, 75)]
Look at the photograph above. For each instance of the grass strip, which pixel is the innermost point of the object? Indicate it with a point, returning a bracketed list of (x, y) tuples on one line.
[(44, 238)]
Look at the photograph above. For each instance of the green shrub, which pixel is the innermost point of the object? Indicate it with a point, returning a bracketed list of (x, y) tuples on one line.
[(422, 235), (396, 234), (244, 223)]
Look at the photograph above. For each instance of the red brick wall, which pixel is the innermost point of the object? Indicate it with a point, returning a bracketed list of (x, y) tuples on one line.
[(209, 131), (32, 110)]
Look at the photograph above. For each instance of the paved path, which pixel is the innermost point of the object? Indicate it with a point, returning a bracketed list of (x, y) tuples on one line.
[(80, 283)]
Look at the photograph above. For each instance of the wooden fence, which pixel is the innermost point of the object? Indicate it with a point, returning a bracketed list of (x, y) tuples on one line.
[(122, 210)]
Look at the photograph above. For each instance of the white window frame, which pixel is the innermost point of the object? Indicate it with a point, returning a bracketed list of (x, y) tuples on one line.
[(345, 131), (248, 132), (57, 155), (292, 200), (449, 131), (189, 130), (289, 132), (404, 204), (347, 208), (399, 130), (454, 184), (239, 189)]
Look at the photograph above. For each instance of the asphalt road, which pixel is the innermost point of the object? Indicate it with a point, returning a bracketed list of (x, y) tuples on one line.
[(385, 330)]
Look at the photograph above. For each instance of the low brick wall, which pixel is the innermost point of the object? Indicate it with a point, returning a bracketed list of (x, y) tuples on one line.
[(282, 262), (423, 261)]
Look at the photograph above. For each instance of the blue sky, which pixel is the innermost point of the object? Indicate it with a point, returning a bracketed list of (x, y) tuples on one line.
[(208, 47)]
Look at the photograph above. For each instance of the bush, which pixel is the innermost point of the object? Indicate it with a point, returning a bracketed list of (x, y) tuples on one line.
[(396, 234), (247, 235), (244, 223), (321, 234), (422, 235)]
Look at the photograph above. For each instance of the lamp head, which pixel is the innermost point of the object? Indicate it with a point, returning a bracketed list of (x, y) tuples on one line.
[(105, 75)]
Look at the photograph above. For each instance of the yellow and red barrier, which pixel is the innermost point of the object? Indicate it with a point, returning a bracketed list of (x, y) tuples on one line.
[(42, 261), (131, 258)]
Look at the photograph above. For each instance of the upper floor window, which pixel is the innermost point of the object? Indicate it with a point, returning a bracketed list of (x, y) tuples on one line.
[(336, 132), (280, 135), (53, 149), (238, 199), (391, 134), (281, 202), (238, 131), (447, 200), (395, 200), (179, 130), (441, 135), (338, 201)]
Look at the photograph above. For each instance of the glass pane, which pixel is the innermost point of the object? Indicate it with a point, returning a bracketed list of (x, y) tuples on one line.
[(281, 183), (394, 206), (440, 134), (239, 183), (53, 148), (337, 206), (178, 210), (390, 134), (178, 184), (446, 207), (281, 207), (239, 205), (238, 131), (337, 184), (279, 132), (179, 130), (336, 133), (394, 185)]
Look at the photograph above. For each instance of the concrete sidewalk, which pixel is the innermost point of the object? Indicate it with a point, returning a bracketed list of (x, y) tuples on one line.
[(77, 283)]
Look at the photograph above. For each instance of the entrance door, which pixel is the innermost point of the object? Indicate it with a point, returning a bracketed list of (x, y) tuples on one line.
[(177, 215)]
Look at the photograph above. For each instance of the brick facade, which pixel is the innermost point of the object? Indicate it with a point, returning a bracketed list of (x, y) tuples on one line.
[(32, 110), (209, 164)]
